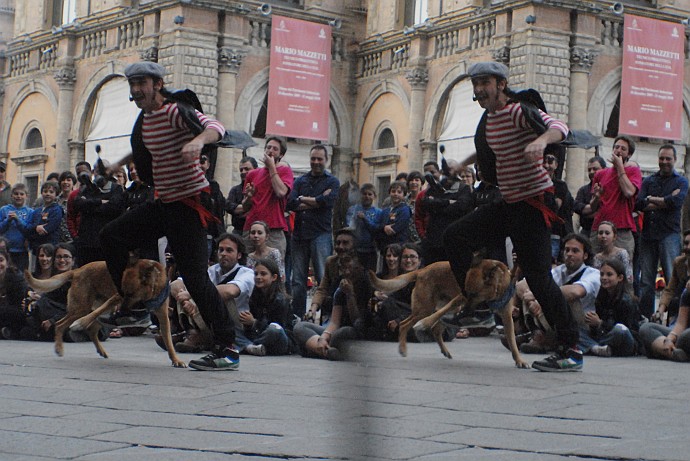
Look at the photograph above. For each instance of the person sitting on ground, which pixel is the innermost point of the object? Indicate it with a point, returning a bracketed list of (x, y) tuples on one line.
[(45, 310), (266, 321), (616, 317), (365, 219), (13, 288), (234, 283), (579, 283), (667, 311), (258, 234), (606, 235), (45, 260), (13, 219), (349, 302), (322, 300), (662, 342)]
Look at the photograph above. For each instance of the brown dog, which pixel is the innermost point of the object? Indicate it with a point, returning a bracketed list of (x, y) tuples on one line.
[(93, 294), (487, 280)]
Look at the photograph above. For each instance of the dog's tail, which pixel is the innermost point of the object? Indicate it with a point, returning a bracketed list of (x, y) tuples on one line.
[(48, 285), (392, 285)]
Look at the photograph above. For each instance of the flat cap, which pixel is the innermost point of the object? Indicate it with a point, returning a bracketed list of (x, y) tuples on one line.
[(144, 69), (488, 68)]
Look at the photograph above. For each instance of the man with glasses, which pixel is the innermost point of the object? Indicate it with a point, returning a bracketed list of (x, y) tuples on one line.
[(266, 191)]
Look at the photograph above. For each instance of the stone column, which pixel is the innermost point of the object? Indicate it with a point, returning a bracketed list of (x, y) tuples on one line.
[(65, 78), (418, 78), (229, 61), (581, 61)]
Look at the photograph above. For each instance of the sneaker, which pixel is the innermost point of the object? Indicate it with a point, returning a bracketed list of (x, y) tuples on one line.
[(570, 360), (483, 320), (220, 359), (135, 318), (601, 351), (256, 349)]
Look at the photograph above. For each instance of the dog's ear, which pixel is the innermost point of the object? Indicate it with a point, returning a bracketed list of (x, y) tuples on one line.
[(149, 272)]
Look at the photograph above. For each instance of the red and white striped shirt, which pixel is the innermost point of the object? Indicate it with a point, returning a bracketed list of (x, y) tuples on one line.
[(508, 133), (164, 133)]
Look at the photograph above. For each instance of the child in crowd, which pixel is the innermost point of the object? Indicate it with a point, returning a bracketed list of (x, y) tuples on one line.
[(269, 309), (13, 220), (365, 220), (611, 326), (394, 226), (44, 224)]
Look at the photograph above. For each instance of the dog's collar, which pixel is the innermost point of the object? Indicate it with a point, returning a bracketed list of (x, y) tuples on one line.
[(154, 303), (497, 304)]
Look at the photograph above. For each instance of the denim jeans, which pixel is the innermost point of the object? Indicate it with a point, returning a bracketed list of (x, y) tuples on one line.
[(531, 238), (316, 250), (275, 339), (653, 252), (620, 339)]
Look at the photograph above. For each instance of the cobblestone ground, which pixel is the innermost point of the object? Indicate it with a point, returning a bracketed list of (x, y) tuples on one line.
[(478, 406)]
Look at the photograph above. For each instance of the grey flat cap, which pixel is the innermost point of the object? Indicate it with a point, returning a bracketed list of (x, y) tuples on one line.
[(144, 69), (488, 68)]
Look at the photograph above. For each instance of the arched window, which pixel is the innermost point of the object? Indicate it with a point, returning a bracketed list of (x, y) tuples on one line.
[(386, 139), (33, 140)]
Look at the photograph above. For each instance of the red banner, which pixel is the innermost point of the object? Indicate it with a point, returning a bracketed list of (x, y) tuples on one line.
[(299, 80), (652, 84)]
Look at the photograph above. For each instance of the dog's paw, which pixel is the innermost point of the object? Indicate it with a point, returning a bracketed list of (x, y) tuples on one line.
[(179, 364), (522, 364)]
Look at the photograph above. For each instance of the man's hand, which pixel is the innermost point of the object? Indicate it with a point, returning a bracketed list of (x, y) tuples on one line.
[(40, 230), (192, 151), (388, 230), (534, 152)]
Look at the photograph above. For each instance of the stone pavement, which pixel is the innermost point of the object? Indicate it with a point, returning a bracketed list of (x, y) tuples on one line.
[(134, 406)]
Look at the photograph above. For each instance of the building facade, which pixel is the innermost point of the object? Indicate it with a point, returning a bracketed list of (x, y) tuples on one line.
[(399, 86)]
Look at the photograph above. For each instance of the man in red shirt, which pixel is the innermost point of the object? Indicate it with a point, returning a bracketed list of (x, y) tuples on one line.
[(614, 191), (266, 192)]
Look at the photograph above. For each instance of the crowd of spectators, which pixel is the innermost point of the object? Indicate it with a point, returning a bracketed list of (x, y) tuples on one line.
[(291, 259)]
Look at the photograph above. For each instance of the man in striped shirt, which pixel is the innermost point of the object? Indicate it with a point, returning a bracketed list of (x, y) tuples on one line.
[(177, 213), (522, 215)]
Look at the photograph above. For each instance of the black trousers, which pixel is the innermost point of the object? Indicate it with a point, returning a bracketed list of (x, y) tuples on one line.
[(524, 224), (146, 223)]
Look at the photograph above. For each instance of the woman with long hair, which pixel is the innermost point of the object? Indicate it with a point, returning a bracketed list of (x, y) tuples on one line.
[(45, 260), (267, 319), (51, 307), (606, 235), (611, 325), (258, 234)]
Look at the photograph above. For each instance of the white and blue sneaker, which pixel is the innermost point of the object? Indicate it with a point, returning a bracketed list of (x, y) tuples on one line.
[(568, 360)]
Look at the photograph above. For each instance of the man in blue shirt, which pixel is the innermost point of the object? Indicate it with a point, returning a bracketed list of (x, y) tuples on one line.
[(661, 199), (312, 198)]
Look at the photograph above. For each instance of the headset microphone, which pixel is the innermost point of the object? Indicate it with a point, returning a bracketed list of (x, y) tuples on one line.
[(131, 98), (474, 97)]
